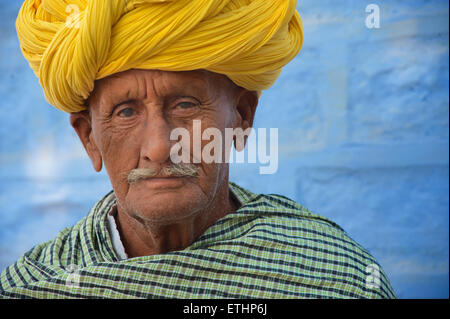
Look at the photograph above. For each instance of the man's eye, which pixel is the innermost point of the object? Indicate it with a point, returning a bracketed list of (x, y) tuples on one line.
[(127, 112), (186, 105)]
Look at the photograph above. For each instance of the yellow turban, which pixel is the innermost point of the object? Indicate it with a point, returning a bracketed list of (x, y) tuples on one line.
[(71, 43)]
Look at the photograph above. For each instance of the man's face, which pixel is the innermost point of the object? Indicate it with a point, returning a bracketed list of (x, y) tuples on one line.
[(132, 115)]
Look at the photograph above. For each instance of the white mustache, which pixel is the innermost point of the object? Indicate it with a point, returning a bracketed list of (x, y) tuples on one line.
[(179, 170)]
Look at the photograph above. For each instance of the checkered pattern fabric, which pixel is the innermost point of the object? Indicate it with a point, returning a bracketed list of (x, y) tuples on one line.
[(271, 247)]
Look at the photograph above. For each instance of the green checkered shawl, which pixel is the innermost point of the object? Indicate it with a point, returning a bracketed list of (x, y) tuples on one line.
[(271, 247)]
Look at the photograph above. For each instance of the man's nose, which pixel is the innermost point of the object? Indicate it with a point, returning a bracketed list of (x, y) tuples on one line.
[(156, 142)]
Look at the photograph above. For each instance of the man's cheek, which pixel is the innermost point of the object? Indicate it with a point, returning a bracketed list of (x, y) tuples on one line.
[(209, 175), (119, 161)]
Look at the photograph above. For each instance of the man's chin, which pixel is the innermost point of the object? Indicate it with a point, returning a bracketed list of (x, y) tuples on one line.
[(168, 202)]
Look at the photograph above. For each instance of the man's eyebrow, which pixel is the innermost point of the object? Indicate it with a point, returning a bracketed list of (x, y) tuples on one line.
[(197, 85), (116, 97), (127, 95)]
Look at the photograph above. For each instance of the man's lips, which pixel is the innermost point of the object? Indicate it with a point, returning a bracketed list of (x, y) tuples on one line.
[(163, 181)]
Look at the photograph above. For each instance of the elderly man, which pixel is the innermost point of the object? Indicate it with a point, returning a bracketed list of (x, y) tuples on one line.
[(129, 73)]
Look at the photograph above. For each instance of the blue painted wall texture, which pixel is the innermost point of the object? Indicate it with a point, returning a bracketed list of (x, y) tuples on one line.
[(363, 139)]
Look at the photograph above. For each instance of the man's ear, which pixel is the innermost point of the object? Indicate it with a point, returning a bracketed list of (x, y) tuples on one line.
[(246, 104), (81, 122)]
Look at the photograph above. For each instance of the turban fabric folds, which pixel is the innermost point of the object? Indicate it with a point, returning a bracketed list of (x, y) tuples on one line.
[(71, 43)]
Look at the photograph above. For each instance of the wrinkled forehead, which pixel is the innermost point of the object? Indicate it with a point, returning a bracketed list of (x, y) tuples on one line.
[(135, 82)]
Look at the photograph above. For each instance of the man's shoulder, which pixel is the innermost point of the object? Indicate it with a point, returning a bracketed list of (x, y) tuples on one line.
[(37, 264), (68, 249), (294, 218), (280, 206), (318, 240)]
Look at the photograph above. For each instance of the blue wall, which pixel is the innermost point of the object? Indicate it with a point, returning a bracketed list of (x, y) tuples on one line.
[(363, 129)]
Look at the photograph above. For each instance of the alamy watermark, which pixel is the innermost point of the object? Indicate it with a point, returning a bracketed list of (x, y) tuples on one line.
[(73, 19), (218, 149), (373, 17), (373, 278), (73, 279)]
